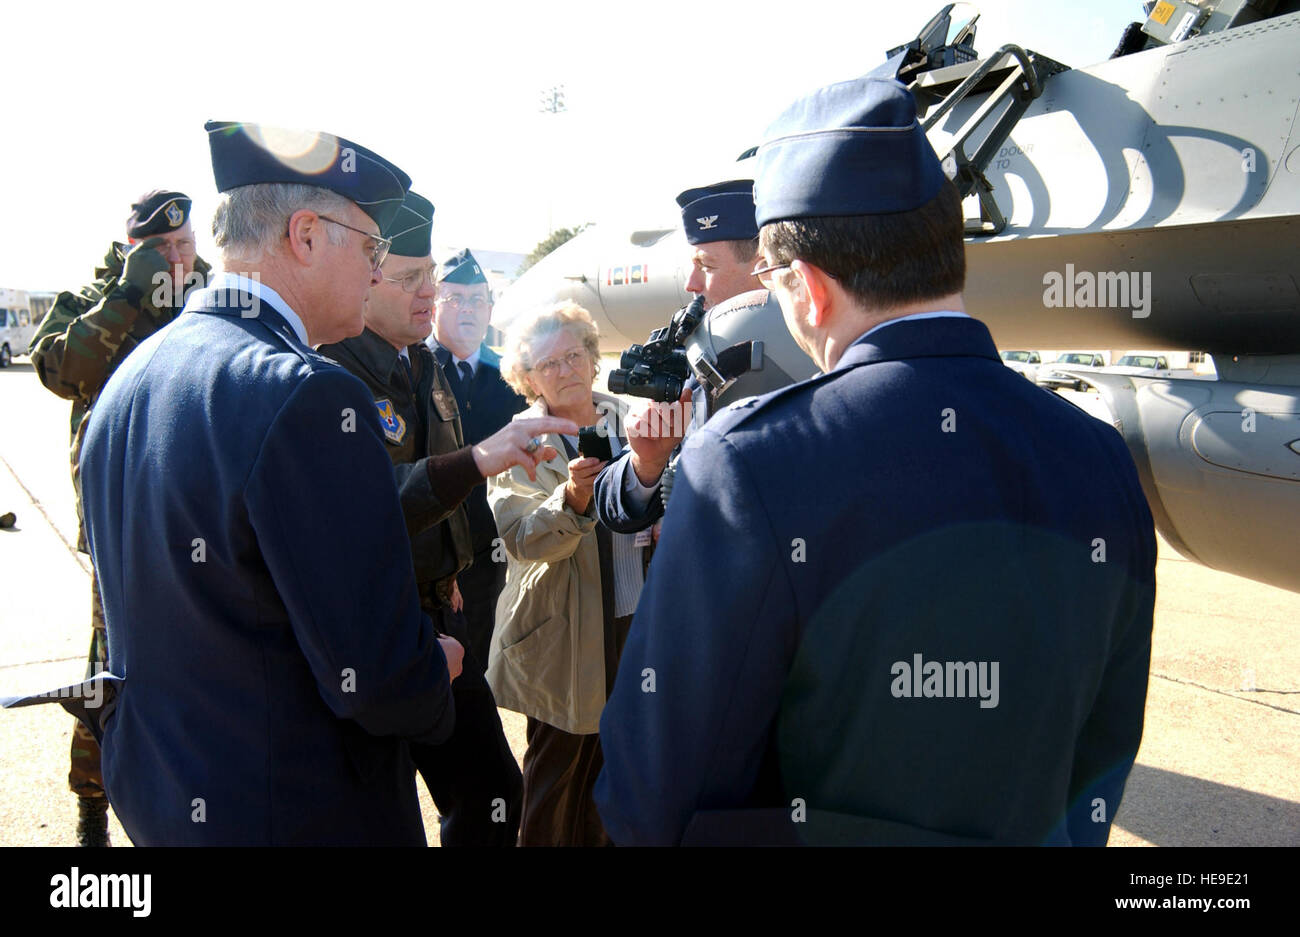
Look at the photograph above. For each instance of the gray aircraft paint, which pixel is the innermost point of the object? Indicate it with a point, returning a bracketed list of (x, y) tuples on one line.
[(1181, 163)]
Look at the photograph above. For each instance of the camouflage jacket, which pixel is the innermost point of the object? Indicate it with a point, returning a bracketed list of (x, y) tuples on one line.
[(87, 334)]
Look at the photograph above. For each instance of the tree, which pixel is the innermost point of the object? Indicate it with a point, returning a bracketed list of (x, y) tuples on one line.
[(550, 243)]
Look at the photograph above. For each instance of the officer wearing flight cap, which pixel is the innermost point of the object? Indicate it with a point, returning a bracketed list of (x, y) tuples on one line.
[(462, 311), (718, 221), (137, 290), (265, 632), (828, 617), (473, 777)]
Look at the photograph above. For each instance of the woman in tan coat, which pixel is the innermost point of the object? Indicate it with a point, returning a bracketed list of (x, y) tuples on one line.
[(571, 585)]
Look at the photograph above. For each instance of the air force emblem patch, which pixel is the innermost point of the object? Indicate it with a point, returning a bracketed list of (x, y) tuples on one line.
[(394, 425), (174, 215), (708, 222)]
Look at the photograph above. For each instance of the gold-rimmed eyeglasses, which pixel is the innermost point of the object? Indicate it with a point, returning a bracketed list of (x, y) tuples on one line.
[(411, 282), (379, 245), (549, 367), (185, 247), (456, 301)]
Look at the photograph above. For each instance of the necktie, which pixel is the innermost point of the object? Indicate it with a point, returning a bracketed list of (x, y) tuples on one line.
[(452, 375), (459, 378)]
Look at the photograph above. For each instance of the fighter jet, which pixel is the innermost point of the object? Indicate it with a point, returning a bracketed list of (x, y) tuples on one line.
[(1148, 201)]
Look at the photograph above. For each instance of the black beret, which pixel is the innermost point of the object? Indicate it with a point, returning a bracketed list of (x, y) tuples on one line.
[(720, 212), (412, 227), (158, 212), (461, 267), (251, 154), (853, 148)]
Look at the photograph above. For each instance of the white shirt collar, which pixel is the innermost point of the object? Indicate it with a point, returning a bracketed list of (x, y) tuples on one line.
[(237, 281), (434, 345)]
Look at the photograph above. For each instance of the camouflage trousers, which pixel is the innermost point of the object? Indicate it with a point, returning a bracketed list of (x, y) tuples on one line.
[(85, 778)]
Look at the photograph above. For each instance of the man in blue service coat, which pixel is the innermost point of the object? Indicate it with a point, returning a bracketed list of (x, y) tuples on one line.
[(719, 224), (263, 620), (908, 600), (462, 311)]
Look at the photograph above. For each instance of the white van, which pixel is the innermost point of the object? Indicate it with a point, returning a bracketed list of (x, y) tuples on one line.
[(16, 325)]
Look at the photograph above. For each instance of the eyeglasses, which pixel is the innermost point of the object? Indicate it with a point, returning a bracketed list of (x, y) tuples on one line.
[(764, 274), (412, 281), (379, 246), (185, 247), (550, 367), (456, 301)]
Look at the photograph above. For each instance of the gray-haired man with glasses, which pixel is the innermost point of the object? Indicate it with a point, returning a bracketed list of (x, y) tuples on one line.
[(271, 659)]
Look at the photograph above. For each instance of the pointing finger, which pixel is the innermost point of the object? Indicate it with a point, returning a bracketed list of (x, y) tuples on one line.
[(537, 426)]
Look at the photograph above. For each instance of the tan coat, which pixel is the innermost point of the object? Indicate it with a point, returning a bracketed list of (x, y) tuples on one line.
[(548, 648)]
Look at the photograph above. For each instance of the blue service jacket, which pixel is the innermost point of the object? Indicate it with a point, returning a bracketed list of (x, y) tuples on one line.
[(259, 595), (613, 508), (837, 561)]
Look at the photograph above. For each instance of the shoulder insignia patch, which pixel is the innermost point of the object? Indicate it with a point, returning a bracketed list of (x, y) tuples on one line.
[(394, 425)]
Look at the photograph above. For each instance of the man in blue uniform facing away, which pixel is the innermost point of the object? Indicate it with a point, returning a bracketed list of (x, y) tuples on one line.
[(908, 600), (264, 627)]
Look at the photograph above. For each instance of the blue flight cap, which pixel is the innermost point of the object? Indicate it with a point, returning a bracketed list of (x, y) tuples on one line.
[(250, 154), (853, 148), (720, 212), (461, 267), (412, 228)]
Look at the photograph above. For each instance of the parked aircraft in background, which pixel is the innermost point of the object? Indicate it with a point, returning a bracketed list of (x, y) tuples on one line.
[(1148, 201)]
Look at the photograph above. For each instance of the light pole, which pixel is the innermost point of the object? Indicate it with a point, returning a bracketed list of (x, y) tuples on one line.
[(551, 102)]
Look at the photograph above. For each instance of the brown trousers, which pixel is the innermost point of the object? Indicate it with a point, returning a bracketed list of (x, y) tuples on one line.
[(560, 771)]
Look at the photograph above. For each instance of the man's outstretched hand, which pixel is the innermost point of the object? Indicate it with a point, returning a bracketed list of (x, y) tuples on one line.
[(507, 446)]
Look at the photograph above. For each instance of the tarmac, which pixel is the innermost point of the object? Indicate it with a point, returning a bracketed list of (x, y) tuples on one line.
[(1219, 763)]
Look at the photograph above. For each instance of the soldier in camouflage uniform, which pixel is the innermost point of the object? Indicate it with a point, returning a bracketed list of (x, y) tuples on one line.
[(138, 289)]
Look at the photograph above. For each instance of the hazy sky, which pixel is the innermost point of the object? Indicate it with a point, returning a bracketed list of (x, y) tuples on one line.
[(105, 101)]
